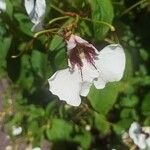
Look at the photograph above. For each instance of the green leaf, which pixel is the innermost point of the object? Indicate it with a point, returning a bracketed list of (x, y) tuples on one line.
[(147, 121), (84, 138), (129, 101), (33, 127), (129, 66), (145, 109), (125, 113), (4, 47), (57, 43), (26, 77), (60, 130), (36, 112), (102, 10), (39, 63), (49, 108), (61, 59), (102, 124), (9, 8), (103, 100), (122, 126), (84, 29), (144, 54), (25, 24), (129, 113)]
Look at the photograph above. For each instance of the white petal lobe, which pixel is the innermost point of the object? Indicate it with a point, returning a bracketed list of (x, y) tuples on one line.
[(2, 5), (80, 40), (29, 6), (89, 72), (40, 7), (85, 88), (37, 27), (110, 64), (36, 11), (71, 43), (66, 85)]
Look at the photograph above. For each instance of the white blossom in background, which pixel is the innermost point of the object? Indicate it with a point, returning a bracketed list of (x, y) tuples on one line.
[(88, 127), (2, 5), (36, 148), (16, 130), (8, 147), (86, 66), (36, 11), (30, 148), (139, 135)]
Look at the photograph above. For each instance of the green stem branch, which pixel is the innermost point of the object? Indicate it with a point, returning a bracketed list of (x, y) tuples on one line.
[(45, 31), (132, 7), (112, 28), (57, 9), (56, 19)]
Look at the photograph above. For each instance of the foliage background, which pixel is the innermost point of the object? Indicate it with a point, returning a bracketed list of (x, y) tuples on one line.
[(105, 114)]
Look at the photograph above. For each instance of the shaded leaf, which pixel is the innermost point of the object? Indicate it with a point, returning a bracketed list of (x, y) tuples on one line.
[(102, 124), (39, 63), (102, 10), (84, 138), (60, 130), (145, 108), (24, 23)]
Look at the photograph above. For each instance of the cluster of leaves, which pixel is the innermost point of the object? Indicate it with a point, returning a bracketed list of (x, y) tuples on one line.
[(104, 114)]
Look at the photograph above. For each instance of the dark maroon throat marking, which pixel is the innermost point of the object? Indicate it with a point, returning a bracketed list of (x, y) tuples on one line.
[(79, 52)]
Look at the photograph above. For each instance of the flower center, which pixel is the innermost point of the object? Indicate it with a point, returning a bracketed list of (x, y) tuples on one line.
[(81, 51)]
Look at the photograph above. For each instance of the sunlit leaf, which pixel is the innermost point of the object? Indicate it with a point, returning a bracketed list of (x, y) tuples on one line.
[(103, 100)]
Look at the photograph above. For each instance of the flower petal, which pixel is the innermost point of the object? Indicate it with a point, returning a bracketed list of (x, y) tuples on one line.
[(141, 143), (29, 6), (85, 88), (99, 83), (73, 40), (71, 43), (36, 11), (134, 131), (80, 40), (89, 72), (40, 8), (37, 27), (66, 85), (2, 5), (16, 130), (110, 64)]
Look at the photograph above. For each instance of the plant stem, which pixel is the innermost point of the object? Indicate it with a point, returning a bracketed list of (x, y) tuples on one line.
[(132, 7), (57, 9), (56, 19), (45, 31), (112, 28)]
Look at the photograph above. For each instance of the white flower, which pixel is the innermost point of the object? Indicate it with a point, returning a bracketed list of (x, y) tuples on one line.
[(86, 66), (87, 127), (134, 131), (16, 130), (8, 147), (36, 11), (140, 136), (30, 147), (2, 5), (36, 148)]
